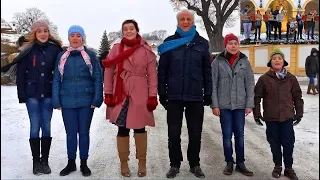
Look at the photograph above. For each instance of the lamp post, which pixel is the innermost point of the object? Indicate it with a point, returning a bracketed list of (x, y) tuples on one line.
[(299, 4), (260, 4)]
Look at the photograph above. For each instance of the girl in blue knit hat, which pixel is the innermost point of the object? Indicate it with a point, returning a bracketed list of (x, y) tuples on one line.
[(77, 91)]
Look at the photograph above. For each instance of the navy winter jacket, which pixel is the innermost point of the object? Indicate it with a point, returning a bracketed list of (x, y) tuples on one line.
[(35, 71), (184, 73), (77, 88)]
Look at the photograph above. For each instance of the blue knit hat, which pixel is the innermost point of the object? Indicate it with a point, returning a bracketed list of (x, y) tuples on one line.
[(76, 29)]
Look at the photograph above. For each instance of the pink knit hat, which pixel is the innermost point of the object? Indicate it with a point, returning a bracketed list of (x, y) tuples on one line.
[(39, 23)]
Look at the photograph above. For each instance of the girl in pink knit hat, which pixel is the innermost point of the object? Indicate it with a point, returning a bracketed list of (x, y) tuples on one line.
[(35, 64)]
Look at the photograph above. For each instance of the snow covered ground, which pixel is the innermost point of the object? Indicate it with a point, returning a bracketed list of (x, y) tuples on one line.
[(16, 160)]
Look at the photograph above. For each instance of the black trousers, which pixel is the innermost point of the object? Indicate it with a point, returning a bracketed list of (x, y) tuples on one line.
[(281, 134), (194, 117), (123, 132)]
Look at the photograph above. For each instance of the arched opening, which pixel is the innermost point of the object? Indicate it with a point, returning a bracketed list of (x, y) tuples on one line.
[(254, 7), (286, 5), (308, 5)]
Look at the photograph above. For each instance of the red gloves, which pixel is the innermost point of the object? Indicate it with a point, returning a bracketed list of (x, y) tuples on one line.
[(108, 100), (152, 103)]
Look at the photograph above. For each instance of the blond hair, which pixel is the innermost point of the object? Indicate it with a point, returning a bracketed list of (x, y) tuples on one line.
[(31, 38)]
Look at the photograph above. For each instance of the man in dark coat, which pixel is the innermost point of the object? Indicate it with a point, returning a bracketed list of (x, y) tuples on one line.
[(184, 83)]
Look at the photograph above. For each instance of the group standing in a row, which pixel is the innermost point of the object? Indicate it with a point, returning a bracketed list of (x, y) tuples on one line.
[(186, 81)]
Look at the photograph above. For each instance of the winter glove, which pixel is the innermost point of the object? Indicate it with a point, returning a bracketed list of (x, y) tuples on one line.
[(104, 62), (108, 100), (164, 101), (258, 121), (207, 101), (152, 103), (297, 118)]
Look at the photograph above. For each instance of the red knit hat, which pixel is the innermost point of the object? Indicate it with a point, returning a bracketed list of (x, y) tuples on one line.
[(230, 37)]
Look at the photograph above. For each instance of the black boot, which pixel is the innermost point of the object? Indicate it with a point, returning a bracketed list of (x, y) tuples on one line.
[(35, 150), (243, 170), (84, 168), (45, 149), (197, 172), (69, 168), (228, 169), (173, 171)]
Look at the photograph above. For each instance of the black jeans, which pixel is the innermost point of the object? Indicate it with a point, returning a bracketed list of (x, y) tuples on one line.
[(194, 117), (257, 31), (123, 132), (281, 134)]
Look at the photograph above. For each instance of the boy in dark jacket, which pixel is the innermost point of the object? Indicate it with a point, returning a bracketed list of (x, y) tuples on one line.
[(282, 109)]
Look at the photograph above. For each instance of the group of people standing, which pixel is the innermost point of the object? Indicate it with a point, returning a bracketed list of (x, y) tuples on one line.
[(294, 25), (185, 80)]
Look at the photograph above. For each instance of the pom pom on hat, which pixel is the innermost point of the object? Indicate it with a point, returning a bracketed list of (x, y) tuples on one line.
[(76, 29), (230, 37), (39, 23)]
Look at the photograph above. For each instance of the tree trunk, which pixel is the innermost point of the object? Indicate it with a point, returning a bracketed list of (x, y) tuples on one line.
[(216, 41)]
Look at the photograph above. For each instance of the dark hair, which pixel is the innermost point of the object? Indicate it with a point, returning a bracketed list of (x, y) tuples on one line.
[(247, 5), (128, 21)]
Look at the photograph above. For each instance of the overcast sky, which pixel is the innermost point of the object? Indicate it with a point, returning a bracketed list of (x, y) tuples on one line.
[(95, 16)]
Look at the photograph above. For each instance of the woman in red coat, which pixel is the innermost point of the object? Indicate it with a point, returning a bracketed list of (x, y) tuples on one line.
[(130, 87)]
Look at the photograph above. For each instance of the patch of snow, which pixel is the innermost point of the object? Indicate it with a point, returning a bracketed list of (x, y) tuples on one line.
[(5, 25), (16, 159), (10, 37)]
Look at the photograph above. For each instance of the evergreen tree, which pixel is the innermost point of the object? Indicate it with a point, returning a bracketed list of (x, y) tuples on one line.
[(104, 46)]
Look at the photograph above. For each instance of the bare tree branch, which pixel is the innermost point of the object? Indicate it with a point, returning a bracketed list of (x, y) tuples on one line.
[(225, 5), (230, 10), (192, 7)]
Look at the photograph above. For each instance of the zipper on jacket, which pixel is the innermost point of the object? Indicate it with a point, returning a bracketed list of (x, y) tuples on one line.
[(34, 60), (183, 68)]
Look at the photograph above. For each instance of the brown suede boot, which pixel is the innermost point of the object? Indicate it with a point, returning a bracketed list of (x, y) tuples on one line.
[(141, 152), (313, 88), (123, 151), (309, 88)]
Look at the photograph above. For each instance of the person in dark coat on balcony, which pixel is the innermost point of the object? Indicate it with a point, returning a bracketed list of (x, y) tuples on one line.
[(184, 84)]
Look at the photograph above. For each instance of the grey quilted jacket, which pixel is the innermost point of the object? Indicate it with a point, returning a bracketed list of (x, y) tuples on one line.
[(233, 86)]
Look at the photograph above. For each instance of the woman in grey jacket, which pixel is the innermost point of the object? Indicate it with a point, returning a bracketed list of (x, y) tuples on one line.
[(232, 100)]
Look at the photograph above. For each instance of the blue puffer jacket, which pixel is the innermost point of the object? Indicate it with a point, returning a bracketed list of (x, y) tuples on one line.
[(78, 88), (184, 73), (35, 70)]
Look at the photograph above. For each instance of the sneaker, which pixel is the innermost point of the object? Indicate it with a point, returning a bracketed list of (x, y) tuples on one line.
[(276, 173), (289, 172), (197, 172)]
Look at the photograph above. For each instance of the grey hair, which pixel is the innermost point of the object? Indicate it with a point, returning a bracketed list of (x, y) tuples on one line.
[(183, 11)]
